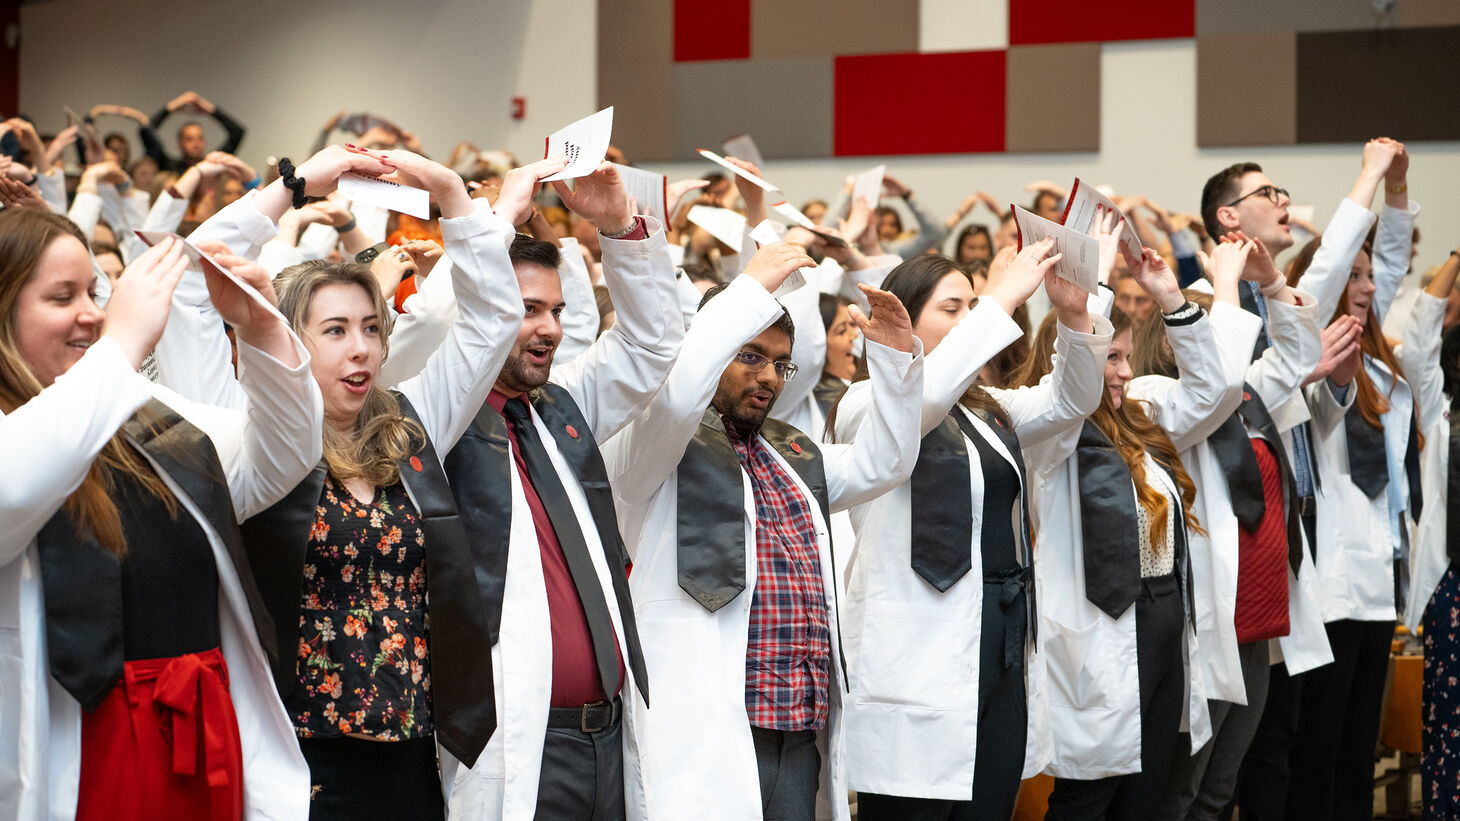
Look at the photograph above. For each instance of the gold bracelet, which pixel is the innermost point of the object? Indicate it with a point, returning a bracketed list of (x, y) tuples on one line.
[(1396, 189)]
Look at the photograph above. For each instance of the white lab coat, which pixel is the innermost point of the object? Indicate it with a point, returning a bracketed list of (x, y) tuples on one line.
[(913, 652), (1355, 544), (694, 748), (1429, 556), (610, 382), (52, 441), (1276, 376), (1094, 687)]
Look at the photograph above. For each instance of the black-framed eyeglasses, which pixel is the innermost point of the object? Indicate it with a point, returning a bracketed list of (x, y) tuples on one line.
[(754, 362), (1273, 194)]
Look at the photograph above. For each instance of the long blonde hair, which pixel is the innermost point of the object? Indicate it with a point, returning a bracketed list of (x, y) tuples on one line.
[(383, 435), (1133, 434), (24, 237)]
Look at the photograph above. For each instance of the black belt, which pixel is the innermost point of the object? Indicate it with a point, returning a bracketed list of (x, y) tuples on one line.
[(590, 718)]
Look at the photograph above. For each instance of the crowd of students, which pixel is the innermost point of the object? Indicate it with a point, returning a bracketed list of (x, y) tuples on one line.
[(384, 517)]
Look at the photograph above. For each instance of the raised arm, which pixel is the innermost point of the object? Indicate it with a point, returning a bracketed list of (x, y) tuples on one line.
[(642, 455), (1420, 354), (457, 377), (885, 446), (1394, 239), (613, 379), (1327, 276)]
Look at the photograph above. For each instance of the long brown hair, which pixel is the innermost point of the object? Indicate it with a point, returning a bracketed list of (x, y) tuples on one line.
[(1131, 430), (1040, 359), (1370, 404), (24, 237), (1149, 352), (382, 436)]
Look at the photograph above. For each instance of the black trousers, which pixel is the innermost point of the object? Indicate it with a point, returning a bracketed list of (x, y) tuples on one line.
[(1003, 725), (1332, 761), (1160, 663), (790, 773), (358, 780), (1262, 783), (582, 776)]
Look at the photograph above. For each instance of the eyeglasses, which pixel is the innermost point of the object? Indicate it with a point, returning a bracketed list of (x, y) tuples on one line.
[(1273, 194), (754, 362)]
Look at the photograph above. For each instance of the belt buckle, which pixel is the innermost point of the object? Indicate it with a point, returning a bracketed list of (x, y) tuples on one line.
[(583, 720)]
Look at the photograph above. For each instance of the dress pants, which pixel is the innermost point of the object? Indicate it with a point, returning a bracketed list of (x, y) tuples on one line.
[(1160, 626), (582, 775), (1332, 762), (1003, 724), (1201, 785), (355, 779), (790, 773)]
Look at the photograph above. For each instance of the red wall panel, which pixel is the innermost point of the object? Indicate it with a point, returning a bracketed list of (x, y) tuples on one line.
[(1080, 21), (945, 103), (711, 31)]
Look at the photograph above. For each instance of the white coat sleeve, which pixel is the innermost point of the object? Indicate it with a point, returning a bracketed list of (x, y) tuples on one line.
[(808, 350), (459, 374), (422, 327), (1070, 394), (615, 377), (1326, 407), (643, 455), (52, 188), (1392, 243), (85, 212), (580, 312), (1209, 388), (1420, 358), (1327, 275), (240, 225), (267, 449), (952, 366), (50, 442), (1296, 345), (884, 441)]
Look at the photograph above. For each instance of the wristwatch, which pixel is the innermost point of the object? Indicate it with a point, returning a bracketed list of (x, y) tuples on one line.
[(368, 255)]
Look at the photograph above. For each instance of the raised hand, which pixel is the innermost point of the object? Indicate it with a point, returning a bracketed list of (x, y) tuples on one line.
[(1379, 154), (137, 311), (445, 185), (1106, 229), (64, 137), (520, 185), (889, 324), (752, 194), (1228, 261), (599, 198), (1156, 278), (16, 194), (774, 263), (1340, 360), (1260, 266), (676, 190), (1014, 282)]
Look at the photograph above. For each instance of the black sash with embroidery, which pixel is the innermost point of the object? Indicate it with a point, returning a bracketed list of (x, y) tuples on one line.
[(82, 581), (463, 708), (710, 523), (1109, 529)]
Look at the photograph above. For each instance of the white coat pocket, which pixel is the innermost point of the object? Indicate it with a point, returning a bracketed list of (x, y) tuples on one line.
[(1078, 671), (916, 656)]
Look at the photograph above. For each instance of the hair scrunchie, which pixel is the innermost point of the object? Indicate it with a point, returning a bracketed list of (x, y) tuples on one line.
[(291, 182)]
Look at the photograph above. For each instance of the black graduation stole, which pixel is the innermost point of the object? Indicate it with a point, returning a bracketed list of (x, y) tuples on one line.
[(710, 522), (480, 470), (461, 669), (828, 389), (1109, 530), (82, 580)]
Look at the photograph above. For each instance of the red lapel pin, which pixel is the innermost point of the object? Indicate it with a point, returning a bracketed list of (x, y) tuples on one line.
[(795, 448), (416, 464), (572, 431), (1246, 397)]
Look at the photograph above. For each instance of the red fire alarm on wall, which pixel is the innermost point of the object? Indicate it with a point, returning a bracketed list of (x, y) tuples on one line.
[(519, 107)]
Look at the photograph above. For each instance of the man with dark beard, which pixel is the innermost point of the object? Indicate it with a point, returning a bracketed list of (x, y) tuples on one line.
[(734, 584), (535, 501)]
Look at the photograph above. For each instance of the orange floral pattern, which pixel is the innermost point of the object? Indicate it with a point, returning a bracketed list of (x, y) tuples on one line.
[(363, 662)]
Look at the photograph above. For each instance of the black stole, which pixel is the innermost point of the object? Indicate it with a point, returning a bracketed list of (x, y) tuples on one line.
[(1108, 529), (82, 581), (710, 523)]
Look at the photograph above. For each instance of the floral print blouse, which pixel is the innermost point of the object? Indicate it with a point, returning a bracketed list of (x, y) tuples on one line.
[(362, 662)]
